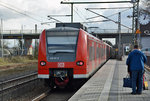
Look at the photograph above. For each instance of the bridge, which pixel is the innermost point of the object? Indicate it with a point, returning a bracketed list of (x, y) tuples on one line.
[(100, 33), (32, 34), (127, 37), (19, 34)]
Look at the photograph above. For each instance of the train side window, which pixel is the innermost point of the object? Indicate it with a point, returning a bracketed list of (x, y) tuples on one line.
[(97, 51), (93, 53), (90, 53), (101, 51)]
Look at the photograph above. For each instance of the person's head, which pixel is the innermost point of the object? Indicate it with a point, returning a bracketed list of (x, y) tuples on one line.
[(136, 47)]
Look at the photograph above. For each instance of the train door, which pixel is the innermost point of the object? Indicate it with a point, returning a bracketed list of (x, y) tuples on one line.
[(100, 53), (91, 55), (88, 55), (97, 54), (105, 51)]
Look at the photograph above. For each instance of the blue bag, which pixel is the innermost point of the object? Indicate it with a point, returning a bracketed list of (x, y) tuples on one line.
[(127, 82)]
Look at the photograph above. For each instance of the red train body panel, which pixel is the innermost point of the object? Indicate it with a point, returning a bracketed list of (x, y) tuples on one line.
[(75, 55)]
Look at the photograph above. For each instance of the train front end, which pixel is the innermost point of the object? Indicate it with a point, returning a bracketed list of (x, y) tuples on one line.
[(60, 57)]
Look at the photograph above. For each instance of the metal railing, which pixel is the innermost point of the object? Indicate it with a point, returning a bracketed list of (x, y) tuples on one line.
[(21, 31), (32, 31), (108, 31)]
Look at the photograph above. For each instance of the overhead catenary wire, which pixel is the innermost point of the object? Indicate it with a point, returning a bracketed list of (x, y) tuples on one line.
[(109, 15), (14, 9), (84, 2), (109, 19), (119, 11), (98, 2), (54, 19), (84, 19), (103, 20), (96, 21), (109, 8), (25, 14)]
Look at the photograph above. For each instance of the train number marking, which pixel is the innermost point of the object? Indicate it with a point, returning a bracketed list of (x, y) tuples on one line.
[(61, 64)]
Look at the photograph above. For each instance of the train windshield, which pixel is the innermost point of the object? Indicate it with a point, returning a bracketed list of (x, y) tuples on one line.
[(61, 46)]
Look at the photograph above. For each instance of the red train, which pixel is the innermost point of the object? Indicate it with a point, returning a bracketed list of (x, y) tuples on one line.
[(68, 54)]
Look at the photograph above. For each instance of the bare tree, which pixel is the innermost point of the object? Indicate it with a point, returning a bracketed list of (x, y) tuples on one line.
[(20, 43), (5, 44)]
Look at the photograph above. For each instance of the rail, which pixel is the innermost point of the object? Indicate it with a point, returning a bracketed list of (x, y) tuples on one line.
[(6, 85), (43, 95), (147, 68)]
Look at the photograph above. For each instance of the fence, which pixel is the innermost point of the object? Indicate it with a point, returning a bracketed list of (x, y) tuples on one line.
[(22, 31), (31, 31)]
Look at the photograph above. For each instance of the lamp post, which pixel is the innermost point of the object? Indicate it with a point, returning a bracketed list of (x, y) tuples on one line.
[(35, 52), (119, 32), (2, 44), (136, 25), (22, 28)]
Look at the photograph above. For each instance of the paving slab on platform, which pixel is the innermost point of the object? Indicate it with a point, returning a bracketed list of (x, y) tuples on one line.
[(106, 85)]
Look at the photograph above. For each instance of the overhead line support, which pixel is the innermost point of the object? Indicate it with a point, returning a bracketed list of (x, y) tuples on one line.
[(72, 3), (109, 19), (109, 8), (95, 2)]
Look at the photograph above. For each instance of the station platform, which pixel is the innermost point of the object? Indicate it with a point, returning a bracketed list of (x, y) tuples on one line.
[(107, 85)]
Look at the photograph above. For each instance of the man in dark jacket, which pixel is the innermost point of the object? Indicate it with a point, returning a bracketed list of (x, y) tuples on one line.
[(136, 60)]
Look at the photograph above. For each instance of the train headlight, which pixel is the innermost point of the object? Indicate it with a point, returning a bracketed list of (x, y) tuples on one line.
[(80, 63), (42, 63)]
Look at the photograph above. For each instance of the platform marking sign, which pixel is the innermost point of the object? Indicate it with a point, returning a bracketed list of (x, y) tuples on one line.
[(138, 31)]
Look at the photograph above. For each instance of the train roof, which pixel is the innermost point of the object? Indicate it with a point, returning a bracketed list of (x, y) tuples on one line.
[(60, 29), (73, 25), (97, 39)]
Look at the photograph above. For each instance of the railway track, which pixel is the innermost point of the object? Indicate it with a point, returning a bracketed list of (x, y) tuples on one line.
[(13, 83), (43, 95), (55, 95), (63, 94)]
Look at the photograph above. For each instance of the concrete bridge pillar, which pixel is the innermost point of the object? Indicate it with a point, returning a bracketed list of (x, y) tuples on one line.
[(117, 40), (28, 46)]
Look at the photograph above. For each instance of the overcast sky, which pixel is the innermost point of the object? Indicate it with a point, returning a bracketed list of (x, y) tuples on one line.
[(27, 13)]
